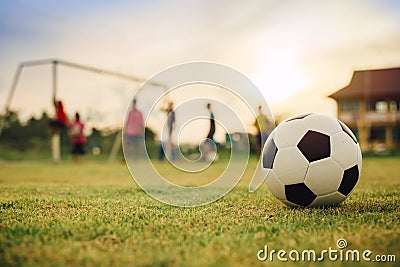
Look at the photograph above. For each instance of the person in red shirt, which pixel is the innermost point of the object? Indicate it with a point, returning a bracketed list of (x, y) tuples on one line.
[(133, 134), (61, 120), (78, 138), (57, 125)]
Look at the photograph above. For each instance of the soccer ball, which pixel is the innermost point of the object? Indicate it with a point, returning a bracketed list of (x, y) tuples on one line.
[(311, 160)]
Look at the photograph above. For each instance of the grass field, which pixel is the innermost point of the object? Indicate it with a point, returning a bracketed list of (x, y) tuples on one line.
[(94, 215)]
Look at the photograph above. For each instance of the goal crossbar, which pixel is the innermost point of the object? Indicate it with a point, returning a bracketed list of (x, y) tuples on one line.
[(55, 63)]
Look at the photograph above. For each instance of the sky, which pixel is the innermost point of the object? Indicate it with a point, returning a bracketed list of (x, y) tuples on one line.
[(296, 52)]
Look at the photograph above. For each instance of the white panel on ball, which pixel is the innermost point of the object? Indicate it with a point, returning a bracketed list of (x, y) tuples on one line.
[(289, 133), (275, 185), (324, 176), (322, 123), (290, 165), (344, 150), (328, 199)]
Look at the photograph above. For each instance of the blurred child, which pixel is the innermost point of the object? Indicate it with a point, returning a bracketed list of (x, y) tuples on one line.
[(134, 128), (78, 138)]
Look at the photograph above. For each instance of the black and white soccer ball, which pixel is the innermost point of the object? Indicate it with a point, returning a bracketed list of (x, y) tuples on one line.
[(312, 160)]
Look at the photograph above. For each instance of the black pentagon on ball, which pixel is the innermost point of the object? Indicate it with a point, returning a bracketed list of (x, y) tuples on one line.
[(315, 146), (349, 180), (299, 194), (269, 153)]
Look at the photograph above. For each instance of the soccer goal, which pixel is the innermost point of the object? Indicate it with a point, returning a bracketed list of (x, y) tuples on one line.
[(100, 95)]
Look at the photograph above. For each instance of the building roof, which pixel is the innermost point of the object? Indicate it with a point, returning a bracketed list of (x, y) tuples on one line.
[(372, 84)]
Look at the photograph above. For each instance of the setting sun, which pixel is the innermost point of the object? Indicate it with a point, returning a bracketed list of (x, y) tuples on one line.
[(279, 77)]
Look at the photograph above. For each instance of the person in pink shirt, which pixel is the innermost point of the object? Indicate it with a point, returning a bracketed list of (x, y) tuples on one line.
[(77, 138), (134, 129)]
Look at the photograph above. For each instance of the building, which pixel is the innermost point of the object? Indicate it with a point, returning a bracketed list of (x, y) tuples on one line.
[(369, 105)]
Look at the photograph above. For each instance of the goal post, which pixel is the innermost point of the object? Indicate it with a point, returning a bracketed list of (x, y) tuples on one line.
[(55, 141)]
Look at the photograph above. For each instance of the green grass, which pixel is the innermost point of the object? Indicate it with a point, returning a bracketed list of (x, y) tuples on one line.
[(94, 215)]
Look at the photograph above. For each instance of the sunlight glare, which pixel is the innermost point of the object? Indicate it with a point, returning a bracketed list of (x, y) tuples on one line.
[(280, 77)]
